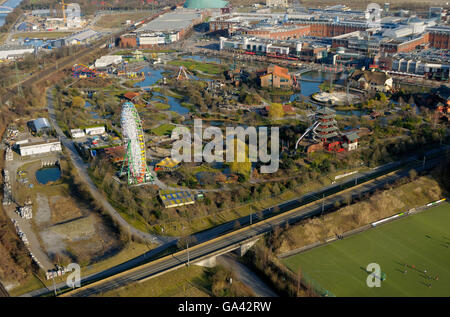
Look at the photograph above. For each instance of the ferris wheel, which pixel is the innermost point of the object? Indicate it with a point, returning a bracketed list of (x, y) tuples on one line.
[(133, 137)]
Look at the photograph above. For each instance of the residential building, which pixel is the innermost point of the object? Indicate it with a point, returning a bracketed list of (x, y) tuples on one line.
[(371, 80)]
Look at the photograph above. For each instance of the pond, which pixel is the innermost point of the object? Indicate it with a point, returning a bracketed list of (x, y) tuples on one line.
[(203, 59), (48, 174), (173, 102), (308, 85)]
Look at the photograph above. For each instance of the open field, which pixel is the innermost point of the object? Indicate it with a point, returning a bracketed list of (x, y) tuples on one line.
[(186, 282), (421, 240), (380, 205), (117, 20), (163, 129), (41, 35)]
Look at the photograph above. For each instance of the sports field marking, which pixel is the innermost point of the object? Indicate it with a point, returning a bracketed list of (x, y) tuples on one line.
[(420, 240)]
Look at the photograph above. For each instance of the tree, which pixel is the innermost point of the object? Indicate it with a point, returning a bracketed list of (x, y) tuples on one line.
[(276, 111), (243, 168), (78, 102)]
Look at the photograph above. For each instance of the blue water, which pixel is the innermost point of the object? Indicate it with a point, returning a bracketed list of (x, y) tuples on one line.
[(151, 77), (11, 4), (174, 103), (49, 174), (203, 59)]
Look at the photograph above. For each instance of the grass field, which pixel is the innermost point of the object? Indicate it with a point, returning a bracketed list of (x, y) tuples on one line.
[(422, 240), (119, 19), (183, 282), (41, 35), (206, 68)]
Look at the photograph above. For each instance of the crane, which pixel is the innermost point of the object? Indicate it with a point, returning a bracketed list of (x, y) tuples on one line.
[(63, 6)]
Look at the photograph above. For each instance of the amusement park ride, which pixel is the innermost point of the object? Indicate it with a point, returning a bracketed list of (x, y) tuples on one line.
[(325, 130), (182, 73), (135, 161)]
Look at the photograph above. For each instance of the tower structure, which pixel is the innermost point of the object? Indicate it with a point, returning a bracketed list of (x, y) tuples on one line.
[(135, 160), (327, 126)]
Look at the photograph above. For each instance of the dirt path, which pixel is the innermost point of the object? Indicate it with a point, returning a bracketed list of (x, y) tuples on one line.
[(246, 276)]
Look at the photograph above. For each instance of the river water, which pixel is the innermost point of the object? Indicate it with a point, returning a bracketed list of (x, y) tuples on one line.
[(11, 4)]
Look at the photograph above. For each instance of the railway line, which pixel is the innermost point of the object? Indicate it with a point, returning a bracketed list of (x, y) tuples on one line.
[(224, 238)]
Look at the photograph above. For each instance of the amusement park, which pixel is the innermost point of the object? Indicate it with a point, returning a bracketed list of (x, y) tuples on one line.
[(219, 148)]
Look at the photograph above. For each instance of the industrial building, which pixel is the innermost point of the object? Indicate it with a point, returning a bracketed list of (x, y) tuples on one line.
[(14, 51), (108, 60), (77, 133), (165, 29), (40, 147), (82, 37), (95, 130), (40, 125)]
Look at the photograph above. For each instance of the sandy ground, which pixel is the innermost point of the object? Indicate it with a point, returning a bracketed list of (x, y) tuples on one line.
[(43, 214)]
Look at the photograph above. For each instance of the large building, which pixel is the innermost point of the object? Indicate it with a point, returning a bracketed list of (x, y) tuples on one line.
[(165, 29), (371, 80), (14, 51), (41, 147), (205, 4), (40, 125), (275, 77)]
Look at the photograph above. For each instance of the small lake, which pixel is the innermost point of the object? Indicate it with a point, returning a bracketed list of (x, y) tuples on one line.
[(173, 102), (203, 59), (48, 174)]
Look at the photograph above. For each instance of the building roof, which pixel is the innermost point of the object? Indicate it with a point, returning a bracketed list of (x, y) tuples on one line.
[(116, 154), (325, 110), (171, 198), (131, 95), (168, 162), (173, 21), (32, 144), (41, 123), (83, 35), (352, 136), (375, 77), (205, 4), (278, 71)]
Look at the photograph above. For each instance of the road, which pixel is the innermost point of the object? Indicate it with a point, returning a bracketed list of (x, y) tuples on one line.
[(82, 169), (291, 212)]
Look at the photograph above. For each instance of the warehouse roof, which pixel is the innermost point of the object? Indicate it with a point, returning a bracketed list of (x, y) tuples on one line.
[(205, 4), (41, 123), (173, 21)]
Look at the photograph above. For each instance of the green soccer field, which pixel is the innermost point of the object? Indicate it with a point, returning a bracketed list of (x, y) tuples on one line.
[(422, 240)]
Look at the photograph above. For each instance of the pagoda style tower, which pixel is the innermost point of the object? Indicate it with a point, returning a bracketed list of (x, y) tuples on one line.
[(327, 128)]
